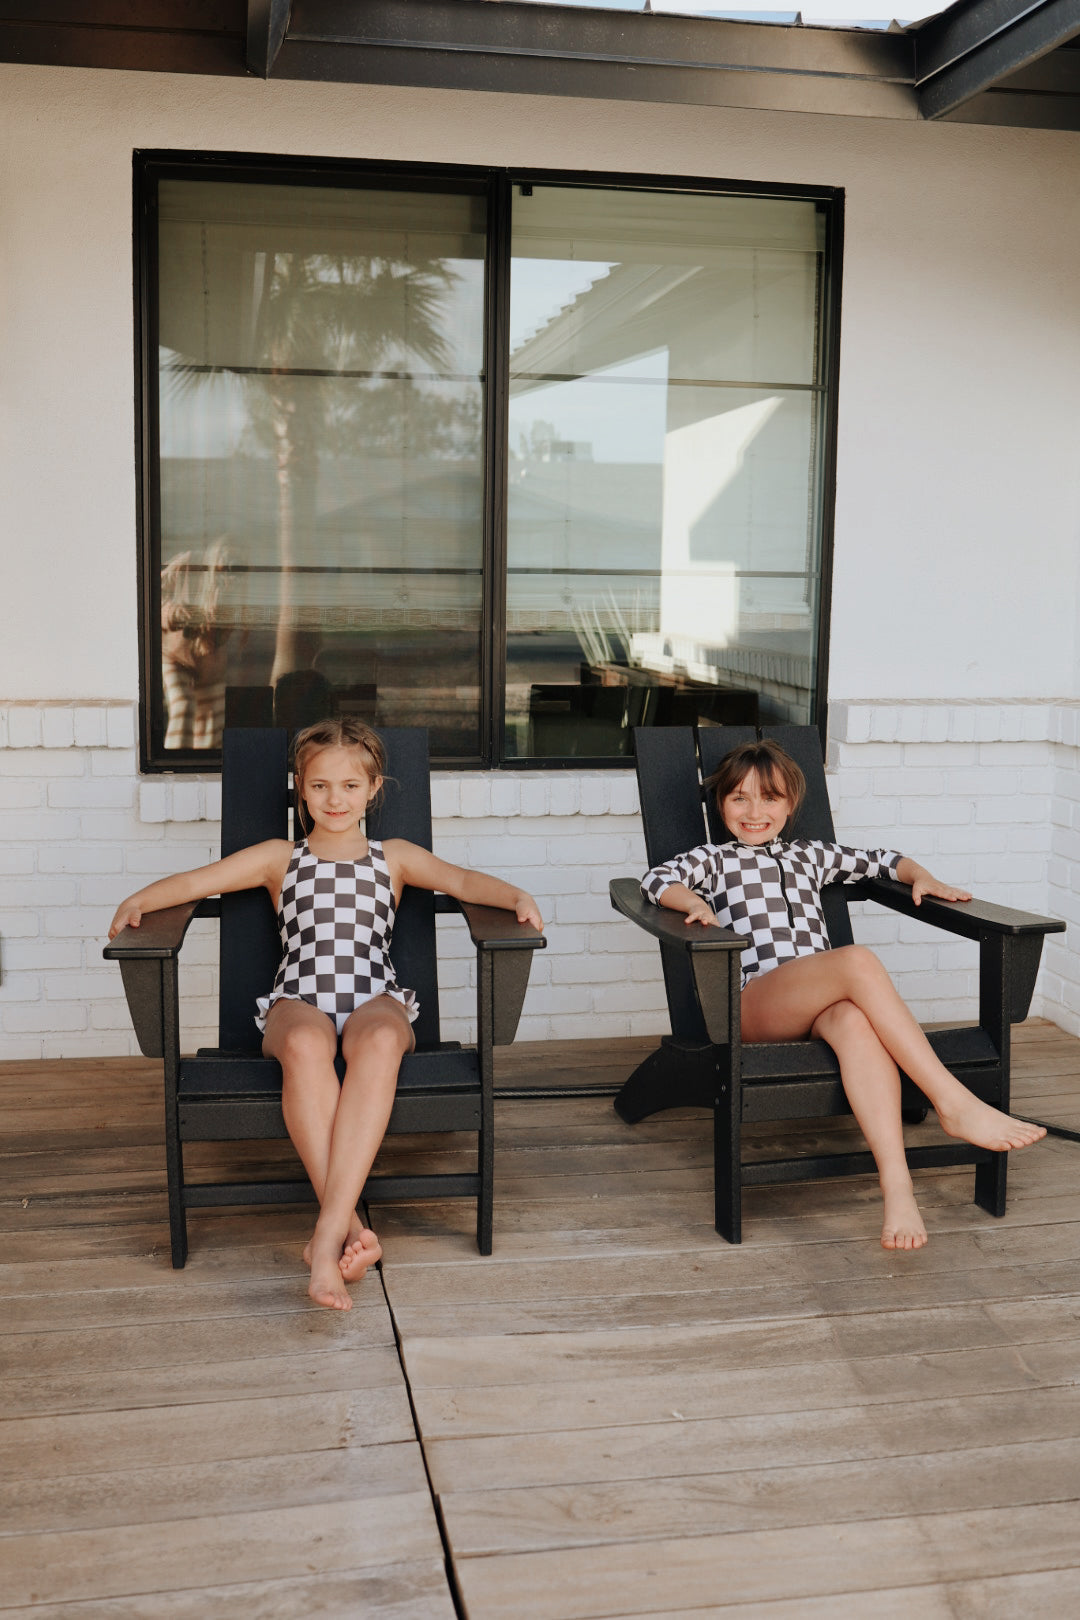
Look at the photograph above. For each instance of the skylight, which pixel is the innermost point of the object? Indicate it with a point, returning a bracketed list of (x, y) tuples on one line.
[(813, 13)]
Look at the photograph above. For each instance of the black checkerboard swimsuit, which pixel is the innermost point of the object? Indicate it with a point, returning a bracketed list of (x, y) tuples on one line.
[(771, 893), (336, 919)]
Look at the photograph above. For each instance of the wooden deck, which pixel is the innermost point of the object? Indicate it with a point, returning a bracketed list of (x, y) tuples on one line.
[(616, 1414)]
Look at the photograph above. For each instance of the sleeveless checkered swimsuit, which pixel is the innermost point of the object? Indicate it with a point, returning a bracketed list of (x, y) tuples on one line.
[(336, 919)]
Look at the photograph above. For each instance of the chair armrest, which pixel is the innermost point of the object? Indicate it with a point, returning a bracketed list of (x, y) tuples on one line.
[(973, 919), (148, 957), (713, 963), (160, 933), (504, 953), (669, 927), (492, 928)]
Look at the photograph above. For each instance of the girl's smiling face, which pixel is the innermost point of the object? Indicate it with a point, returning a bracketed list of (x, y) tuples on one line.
[(755, 812), (337, 788)]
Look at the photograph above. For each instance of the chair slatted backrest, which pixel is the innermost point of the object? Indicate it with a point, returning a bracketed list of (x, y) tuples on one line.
[(404, 811), (668, 788), (254, 807), (673, 819)]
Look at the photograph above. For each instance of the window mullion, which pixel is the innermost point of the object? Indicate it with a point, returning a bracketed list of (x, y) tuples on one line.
[(497, 371)]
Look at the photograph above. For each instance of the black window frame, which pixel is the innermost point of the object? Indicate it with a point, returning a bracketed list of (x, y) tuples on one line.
[(497, 183)]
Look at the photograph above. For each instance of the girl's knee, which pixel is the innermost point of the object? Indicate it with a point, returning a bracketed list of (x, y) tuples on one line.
[(842, 1021), (383, 1037), (861, 964), (302, 1046)]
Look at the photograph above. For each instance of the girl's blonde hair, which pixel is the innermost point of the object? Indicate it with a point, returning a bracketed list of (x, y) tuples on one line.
[(774, 767), (343, 732)]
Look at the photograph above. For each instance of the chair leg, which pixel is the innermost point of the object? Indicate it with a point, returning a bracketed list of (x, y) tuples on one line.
[(727, 1146), (674, 1076), (174, 1165), (990, 1184), (485, 1146), (174, 1158), (178, 1234), (485, 1198)]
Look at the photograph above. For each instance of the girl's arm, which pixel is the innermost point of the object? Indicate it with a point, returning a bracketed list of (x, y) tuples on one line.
[(677, 897), (684, 884), (410, 863), (923, 882), (258, 866)]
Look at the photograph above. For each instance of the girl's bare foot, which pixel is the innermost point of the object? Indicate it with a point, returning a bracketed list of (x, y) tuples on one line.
[(359, 1253), (353, 1235), (903, 1225), (327, 1286), (976, 1122)]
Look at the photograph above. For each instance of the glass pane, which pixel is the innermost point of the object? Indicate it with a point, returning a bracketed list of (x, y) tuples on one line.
[(321, 402), (664, 436)]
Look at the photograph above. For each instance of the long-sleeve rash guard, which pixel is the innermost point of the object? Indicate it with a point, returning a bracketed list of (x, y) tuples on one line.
[(770, 893)]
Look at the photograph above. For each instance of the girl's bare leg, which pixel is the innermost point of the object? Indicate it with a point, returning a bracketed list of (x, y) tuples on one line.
[(304, 1041), (872, 1084), (784, 1004), (373, 1042)]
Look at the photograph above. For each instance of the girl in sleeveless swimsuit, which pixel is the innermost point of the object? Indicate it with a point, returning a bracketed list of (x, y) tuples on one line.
[(794, 985), (335, 893)]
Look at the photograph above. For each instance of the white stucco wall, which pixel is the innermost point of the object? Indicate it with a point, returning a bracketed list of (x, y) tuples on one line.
[(957, 517)]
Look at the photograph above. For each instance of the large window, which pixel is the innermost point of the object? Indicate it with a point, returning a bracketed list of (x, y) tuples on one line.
[(529, 461)]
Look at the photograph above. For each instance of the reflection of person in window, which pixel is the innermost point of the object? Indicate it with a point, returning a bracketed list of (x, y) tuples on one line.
[(193, 648)]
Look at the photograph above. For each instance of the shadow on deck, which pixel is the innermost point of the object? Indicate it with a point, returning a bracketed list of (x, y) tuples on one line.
[(616, 1414)]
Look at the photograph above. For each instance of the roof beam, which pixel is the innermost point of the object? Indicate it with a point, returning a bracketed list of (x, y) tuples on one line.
[(974, 45), (565, 50), (267, 22), (146, 36)]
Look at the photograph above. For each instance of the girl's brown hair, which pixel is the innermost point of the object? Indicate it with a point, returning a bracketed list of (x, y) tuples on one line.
[(344, 732), (775, 769)]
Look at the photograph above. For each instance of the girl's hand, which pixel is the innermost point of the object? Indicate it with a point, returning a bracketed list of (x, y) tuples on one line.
[(694, 907), (129, 915), (527, 911), (925, 884), (702, 912)]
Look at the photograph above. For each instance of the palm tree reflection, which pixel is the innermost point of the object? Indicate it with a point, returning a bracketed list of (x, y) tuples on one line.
[(348, 358)]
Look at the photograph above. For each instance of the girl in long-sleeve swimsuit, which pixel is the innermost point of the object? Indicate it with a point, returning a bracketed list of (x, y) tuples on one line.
[(335, 892), (795, 985)]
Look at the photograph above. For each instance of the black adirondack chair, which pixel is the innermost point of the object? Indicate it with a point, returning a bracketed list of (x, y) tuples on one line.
[(233, 1093), (703, 1062)]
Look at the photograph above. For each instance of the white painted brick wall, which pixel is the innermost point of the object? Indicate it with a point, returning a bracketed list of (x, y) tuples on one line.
[(984, 794), (987, 794), (73, 845)]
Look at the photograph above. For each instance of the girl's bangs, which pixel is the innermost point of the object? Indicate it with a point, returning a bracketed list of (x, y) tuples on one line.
[(771, 779)]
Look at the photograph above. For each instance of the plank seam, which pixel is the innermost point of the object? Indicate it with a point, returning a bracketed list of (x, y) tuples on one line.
[(456, 1597)]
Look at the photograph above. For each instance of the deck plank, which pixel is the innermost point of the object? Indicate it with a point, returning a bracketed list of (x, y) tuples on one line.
[(112, 1389), (857, 1428), (258, 1483), (123, 1560), (628, 1578), (410, 1591)]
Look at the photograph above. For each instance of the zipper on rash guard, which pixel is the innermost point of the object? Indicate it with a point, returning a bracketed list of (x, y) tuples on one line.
[(783, 891)]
